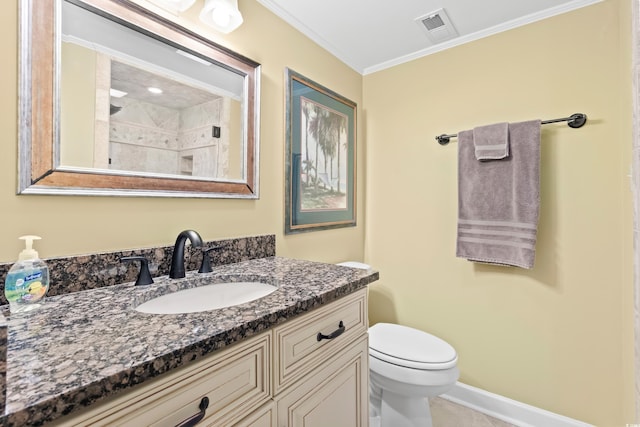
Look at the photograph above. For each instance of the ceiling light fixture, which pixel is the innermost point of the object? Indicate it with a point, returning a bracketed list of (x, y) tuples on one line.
[(117, 93), (223, 15), (175, 6), (155, 90)]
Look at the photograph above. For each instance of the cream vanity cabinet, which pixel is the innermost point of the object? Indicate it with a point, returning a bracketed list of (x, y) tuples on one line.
[(323, 383), (311, 371)]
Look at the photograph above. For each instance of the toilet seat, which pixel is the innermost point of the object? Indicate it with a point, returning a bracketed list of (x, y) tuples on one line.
[(411, 348)]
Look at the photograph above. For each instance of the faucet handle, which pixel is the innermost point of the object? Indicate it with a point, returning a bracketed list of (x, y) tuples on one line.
[(205, 266), (144, 276)]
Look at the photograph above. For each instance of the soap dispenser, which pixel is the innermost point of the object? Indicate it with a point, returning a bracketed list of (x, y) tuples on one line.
[(28, 279)]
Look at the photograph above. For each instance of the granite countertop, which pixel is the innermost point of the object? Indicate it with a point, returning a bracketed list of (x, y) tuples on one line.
[(80, 347)]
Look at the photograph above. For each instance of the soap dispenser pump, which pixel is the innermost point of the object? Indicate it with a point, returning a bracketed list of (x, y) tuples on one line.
[(28, 279)]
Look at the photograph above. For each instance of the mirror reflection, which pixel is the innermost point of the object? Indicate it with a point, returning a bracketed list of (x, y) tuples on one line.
[(129, 102), (115, 100)]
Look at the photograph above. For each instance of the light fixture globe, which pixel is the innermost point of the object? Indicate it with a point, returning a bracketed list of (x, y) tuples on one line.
[(222, 15)]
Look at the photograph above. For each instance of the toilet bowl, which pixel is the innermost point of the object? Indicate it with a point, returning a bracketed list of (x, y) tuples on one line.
[(406, 367)]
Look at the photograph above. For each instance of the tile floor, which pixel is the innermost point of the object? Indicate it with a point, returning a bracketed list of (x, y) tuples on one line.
[(445, 413)]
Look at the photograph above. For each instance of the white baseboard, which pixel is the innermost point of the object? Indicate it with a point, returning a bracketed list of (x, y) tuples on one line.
[(510, 411)]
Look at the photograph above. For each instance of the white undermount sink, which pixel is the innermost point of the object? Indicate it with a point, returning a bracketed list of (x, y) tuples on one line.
[(208, 297)]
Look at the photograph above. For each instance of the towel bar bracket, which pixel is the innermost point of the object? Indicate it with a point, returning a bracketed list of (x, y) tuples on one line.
[(577, 120), (574, 121), (444, 139)]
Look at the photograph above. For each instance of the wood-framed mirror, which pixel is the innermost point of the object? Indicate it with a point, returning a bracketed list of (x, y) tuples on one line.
[(115, 100)]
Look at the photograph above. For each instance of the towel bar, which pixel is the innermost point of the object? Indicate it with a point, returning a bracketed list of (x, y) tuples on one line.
[(575, 121)]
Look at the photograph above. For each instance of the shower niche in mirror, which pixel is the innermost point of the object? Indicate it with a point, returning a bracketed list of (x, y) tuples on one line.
[(123, 102)]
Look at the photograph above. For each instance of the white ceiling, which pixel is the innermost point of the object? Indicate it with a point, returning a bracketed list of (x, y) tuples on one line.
[(371, 35)]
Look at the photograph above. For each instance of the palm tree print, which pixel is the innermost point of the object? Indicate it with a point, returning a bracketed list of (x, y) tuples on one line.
[(324, 157)]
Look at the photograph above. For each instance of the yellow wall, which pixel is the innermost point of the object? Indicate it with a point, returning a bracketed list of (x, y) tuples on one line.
[(558, 337), (76, 225)]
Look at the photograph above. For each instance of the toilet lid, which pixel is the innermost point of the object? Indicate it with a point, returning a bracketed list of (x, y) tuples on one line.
[(405, 346), (355, 264)]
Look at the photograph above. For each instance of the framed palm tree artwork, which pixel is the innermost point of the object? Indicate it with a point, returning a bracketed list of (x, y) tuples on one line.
[(320, 162)]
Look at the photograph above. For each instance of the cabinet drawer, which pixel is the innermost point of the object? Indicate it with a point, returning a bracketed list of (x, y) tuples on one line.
[(297, 350), (336, 394), (236, 381)]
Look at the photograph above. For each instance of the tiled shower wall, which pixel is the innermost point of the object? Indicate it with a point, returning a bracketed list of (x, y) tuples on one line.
[(146, 137), (636, 191)]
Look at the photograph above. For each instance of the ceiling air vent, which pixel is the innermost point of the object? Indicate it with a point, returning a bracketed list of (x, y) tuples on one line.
[(432, 22), (437, 26)]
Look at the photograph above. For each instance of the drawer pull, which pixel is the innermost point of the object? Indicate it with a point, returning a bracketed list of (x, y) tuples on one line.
[(195, 419), (334, 334)]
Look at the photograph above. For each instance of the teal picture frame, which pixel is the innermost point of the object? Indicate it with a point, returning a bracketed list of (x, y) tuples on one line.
[(320, 164)]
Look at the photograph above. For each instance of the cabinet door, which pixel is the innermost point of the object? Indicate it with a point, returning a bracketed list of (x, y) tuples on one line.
[(263, 417), (335, 395)]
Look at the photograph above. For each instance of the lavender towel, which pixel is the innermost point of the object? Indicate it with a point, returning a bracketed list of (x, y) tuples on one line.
[(498, 200), (491, 142)]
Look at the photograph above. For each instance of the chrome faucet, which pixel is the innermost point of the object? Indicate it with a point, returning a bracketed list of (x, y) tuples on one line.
[(177, 260)]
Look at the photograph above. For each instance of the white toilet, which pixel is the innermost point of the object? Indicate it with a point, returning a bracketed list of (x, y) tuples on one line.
[(406, 366)]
